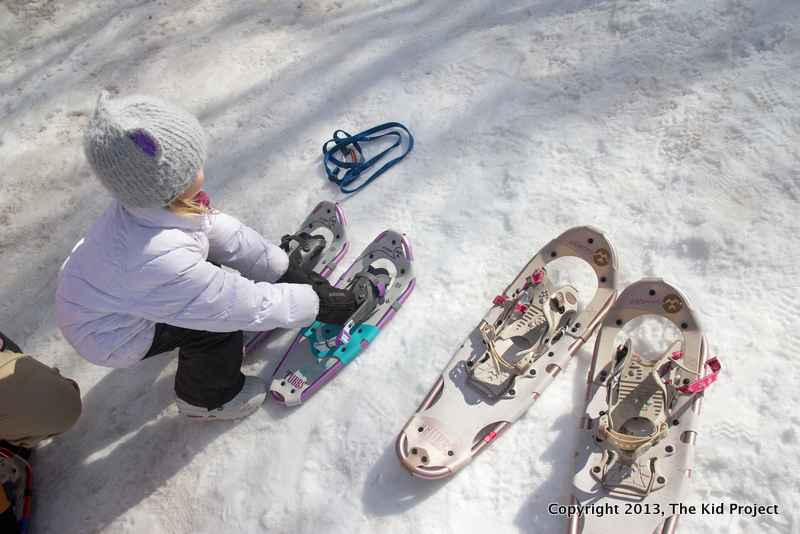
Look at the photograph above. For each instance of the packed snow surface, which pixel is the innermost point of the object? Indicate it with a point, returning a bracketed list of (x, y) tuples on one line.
[(671, 125)]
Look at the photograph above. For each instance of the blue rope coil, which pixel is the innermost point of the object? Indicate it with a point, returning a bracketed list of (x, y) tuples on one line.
[(343, 143)]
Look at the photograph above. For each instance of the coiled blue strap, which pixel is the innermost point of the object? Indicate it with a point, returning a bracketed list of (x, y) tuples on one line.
[(343, 143)]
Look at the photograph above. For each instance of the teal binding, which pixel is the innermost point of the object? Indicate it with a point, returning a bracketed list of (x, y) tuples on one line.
[(344, 353)]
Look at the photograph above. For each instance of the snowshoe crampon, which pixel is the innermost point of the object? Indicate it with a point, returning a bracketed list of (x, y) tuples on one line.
[(16, 478), (319, 245), (637, 435), (382, 278), (492, 380)]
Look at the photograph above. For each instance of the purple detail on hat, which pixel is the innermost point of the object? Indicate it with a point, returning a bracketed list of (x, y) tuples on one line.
[(145, 143)]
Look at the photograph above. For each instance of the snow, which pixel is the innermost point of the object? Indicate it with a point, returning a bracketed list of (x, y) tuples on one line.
[(671, 125)]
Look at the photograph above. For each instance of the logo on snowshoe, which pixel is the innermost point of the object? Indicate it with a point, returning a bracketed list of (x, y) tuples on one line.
[(294, 380), (436, 439), (602, 257), (672, 303), (328, 223)]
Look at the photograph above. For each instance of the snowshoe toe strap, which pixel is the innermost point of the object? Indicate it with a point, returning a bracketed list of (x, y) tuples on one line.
[(308, 250)]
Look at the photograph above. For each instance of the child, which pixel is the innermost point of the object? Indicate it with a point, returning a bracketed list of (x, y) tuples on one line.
[(146, 278)]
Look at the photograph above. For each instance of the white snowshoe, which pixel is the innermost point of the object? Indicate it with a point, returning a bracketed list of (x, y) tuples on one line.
[(636, 443), (491, 380)]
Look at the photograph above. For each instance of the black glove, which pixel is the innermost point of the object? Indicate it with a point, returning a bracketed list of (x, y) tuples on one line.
[(336, 305), (295, 274)]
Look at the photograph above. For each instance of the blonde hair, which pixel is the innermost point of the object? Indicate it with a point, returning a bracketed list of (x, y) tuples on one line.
[(190, 208)]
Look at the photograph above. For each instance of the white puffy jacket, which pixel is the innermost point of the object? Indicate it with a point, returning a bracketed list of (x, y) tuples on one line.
[(139, 267)]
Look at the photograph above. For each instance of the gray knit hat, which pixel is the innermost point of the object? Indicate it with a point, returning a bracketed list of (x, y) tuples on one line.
[(145, 151)]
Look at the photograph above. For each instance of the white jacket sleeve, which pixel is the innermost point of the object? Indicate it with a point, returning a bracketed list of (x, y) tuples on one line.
[(181, 288), (239, 247)]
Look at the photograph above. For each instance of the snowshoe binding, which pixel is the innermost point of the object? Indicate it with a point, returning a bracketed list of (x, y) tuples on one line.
[(508, 360), (321, 350), (319, 245), (636, 442)]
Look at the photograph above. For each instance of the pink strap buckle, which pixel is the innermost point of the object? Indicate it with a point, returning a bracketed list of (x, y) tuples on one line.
[(500, 300), (699, 385), (536, 277)]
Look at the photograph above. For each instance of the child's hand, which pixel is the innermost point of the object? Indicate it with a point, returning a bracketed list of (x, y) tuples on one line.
[(336, 305)]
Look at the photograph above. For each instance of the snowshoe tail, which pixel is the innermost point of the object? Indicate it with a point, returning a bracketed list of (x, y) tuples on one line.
[(319, 245), (637, 434), (382, 277), (509, 359)]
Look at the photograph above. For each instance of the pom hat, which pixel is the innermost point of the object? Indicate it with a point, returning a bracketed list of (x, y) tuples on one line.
[(144, 150)]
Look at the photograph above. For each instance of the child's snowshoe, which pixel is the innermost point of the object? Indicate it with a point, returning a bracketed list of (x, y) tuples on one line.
[(321, 350), (509, 359), (319, 245), (636, 443)]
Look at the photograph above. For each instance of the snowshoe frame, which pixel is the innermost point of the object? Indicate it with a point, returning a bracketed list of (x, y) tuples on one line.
[(611, 463), (456, 421)]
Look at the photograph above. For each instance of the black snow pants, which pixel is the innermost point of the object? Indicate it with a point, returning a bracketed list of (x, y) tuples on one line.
[(209, 363)]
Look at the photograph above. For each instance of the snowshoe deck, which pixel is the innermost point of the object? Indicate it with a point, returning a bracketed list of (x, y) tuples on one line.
[(491, 380), (637, 436), (319, 351), (319, 245)]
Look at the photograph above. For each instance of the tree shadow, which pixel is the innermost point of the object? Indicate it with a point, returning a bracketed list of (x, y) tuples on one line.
[(129, 442), (118, 450)]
